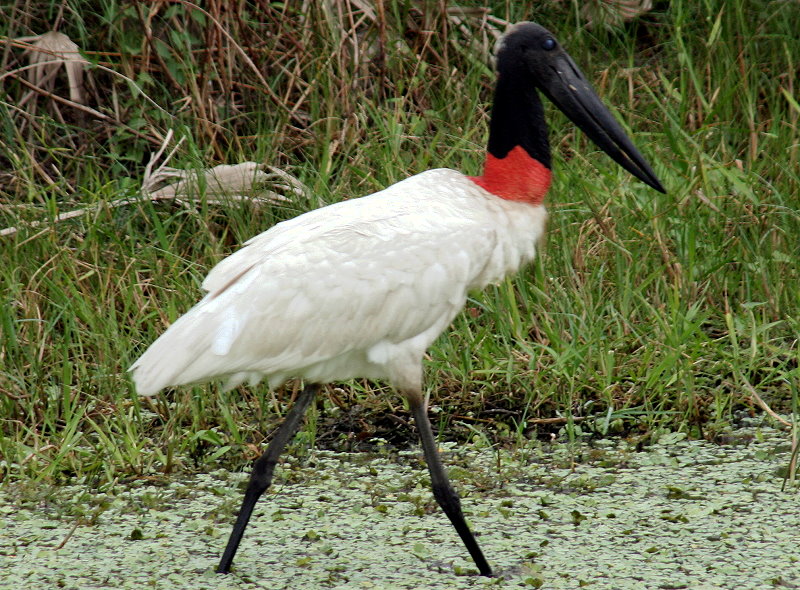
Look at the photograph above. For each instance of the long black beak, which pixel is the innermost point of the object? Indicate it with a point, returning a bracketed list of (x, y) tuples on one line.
[(564, 84)]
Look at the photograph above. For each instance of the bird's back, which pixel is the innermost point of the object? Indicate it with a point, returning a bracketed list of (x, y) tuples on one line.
[(356, 289)]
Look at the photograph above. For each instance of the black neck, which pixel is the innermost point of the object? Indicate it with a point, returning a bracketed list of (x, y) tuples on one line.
[(518, 119)]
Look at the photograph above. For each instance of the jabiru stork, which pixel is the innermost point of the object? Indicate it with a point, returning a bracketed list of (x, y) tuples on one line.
[(361, 288)]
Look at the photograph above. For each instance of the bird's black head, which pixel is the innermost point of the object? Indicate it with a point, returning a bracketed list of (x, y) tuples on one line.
[(526, 46), (531, 54)]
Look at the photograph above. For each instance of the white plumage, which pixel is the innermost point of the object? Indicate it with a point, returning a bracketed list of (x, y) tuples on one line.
[(360, 288)]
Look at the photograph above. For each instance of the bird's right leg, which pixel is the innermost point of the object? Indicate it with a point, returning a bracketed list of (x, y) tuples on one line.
[(443, 491), (261, 476)]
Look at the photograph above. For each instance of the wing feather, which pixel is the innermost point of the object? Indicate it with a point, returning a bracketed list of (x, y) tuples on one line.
[(329, 294)]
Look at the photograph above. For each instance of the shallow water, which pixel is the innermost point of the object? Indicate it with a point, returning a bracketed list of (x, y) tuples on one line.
[(682, 514)]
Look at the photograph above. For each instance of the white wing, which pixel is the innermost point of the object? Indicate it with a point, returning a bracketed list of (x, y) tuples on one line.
[(360, 288)]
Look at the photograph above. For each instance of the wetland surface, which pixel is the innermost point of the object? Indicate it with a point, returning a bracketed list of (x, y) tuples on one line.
[(681, 514)]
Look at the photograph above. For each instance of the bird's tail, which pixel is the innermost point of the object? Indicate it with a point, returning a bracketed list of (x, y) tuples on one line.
[(183, 354)]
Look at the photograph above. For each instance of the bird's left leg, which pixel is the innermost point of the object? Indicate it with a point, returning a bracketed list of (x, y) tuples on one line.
[(443, 491), (261, 476)]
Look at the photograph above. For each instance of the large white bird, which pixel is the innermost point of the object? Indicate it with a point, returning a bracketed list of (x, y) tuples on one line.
[(363, 287)]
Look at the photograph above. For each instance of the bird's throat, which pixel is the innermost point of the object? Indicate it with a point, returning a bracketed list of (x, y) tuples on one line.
[(516, 177), (518, 156)]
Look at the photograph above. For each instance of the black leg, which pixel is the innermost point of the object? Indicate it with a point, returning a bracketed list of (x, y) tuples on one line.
[(261, 476), (444, 493)]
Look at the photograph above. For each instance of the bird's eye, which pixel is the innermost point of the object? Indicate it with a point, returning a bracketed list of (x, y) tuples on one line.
[(549, 44)]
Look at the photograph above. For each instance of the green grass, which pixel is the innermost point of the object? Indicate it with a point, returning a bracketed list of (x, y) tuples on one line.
[(643, 313)]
